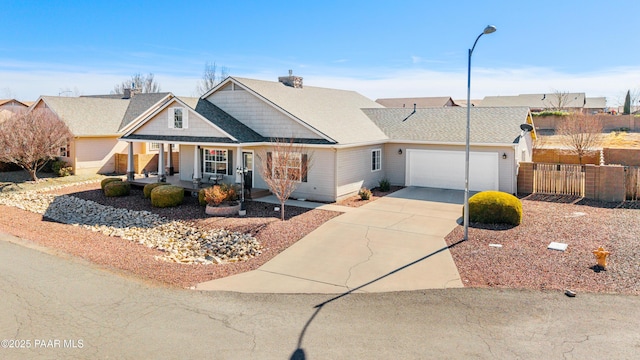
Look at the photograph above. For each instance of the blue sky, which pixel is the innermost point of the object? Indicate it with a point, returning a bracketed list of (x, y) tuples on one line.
[(378, 48)]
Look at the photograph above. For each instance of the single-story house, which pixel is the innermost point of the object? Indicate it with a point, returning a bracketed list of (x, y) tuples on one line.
[(96, 123), (351, 141)]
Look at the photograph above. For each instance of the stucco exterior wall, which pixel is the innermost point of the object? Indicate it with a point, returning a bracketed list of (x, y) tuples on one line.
[(96, 155)]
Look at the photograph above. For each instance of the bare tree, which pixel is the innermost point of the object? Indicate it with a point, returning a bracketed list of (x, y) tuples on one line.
[(30, 139), (558, 100), (211, 78), (144, 83), (581, 133), (284, 168)]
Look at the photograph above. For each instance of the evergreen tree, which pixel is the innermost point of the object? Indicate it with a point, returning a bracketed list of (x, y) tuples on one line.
[(627, 103)]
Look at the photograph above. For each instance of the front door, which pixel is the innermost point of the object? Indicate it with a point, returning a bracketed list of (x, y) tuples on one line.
[(247, 160)]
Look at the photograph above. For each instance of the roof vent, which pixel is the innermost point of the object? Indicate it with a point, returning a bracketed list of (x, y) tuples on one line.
[(292, 81)]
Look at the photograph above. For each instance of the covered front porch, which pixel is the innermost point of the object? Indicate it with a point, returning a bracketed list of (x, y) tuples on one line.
[(190, 186)]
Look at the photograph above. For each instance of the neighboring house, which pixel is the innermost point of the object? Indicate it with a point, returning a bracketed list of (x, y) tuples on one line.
[(13, 105), (595, 105), (8, 107), (419, 102), (351, 141), (428, 148), (539, 102), (95, 123)]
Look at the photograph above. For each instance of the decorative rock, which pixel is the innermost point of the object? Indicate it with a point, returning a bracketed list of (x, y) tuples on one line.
[(180, 242)]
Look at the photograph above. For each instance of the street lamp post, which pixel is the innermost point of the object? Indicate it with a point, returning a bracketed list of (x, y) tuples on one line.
[(488, 30)]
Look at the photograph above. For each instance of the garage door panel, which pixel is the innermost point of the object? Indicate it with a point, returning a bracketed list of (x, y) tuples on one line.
[(445, 169)]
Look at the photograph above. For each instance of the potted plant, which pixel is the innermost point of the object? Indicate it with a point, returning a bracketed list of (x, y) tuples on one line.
[(222, 200)]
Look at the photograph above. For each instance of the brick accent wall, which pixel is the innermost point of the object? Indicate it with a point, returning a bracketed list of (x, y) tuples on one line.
[(525, 178)]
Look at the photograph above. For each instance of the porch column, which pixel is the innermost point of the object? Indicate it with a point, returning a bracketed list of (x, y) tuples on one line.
[(161, 173), (169, 160), (196, 164), (239, 164), (130, 170)]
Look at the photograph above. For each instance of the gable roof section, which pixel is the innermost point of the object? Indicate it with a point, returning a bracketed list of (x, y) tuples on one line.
[(6, 101), (226, 122), (334, 114), (88, 116), (448, 124), (139, 104), (421, 102)]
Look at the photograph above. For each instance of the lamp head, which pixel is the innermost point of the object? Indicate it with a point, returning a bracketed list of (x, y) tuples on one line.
[(489, 29)]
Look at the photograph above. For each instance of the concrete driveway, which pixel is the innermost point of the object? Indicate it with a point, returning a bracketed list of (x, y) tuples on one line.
[(395, 243)]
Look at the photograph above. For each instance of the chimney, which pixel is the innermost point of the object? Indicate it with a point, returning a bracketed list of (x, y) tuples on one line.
[(293, 81), (127, 94)]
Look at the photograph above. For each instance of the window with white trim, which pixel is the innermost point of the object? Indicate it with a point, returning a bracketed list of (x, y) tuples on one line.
[(376, 159), (178, 118), (287, 165), (154, 146), (64, 151), (215, 161)]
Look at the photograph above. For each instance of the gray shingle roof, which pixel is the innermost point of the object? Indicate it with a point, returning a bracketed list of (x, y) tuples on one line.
[(88, 116), (334, 113), (421, 102), (139, 104), (226, 122), (536, 101), (448, 124)]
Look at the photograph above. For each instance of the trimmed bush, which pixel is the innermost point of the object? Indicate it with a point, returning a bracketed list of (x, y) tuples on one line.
[(147, 189), (167, 196), (495, 207), (365, 194), (384, 185), (202, 197), (117, 188), (218, 194), (61, 168), (108, 180)]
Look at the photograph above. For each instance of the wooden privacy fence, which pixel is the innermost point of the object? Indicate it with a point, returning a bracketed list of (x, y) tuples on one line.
[(562, 179), (632, 182)]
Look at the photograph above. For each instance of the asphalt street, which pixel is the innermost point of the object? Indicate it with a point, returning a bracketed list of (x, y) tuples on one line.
[(53, 306)]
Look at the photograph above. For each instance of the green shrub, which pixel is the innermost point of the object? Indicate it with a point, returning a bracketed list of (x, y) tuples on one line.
[(201, 197), (146, 191), (61, 168), (167, 196), (117, 188), (384, 185), (495, 207), (108, 180), (365, 194), (551, 113)]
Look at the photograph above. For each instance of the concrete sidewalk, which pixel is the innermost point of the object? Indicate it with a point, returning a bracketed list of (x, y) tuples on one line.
[(395, 243)]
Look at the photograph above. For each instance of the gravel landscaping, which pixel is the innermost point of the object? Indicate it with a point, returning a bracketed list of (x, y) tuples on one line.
[(261, 223), (524, 261)]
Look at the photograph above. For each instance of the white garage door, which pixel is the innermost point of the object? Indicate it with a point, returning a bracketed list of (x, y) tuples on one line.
[(445, 169)]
